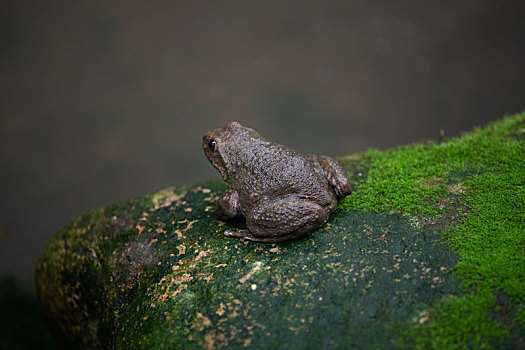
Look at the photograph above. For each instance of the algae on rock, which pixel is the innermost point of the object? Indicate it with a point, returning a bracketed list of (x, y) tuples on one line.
[(156, 271)]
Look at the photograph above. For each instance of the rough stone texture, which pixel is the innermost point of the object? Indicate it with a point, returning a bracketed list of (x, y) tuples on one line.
[(156, 272)]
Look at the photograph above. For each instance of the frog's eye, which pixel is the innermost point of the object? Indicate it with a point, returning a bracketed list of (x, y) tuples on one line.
[(212, 145)]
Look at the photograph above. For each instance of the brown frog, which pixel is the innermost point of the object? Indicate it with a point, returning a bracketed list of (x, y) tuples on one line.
[(282, 193)]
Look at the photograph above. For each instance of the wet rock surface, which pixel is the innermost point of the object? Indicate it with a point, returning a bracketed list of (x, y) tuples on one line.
[(157, 272)]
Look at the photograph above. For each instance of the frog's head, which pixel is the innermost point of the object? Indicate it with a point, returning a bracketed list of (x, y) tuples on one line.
[(224, 146)]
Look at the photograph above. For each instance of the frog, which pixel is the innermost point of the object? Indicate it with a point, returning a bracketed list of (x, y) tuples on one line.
[(281, 193)]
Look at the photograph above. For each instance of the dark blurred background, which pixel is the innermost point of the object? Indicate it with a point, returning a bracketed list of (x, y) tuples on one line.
[(102, 101)]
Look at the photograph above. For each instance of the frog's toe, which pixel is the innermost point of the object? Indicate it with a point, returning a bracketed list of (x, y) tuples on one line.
[(243, 234)]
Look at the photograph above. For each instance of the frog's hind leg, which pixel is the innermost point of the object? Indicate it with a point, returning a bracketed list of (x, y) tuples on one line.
[(335, 175), (281, 220)]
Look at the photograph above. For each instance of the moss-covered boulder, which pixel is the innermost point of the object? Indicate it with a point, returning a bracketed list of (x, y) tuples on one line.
[(428, 252)]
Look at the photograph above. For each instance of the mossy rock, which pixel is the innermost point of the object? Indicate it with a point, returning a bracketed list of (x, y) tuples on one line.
[(428, 252)]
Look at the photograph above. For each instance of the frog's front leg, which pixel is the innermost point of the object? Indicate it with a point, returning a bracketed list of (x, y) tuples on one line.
[(228, 205), (281, 220)]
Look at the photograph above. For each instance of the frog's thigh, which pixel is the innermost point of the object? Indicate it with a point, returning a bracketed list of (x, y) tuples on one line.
[(285, 219), (335, 175)]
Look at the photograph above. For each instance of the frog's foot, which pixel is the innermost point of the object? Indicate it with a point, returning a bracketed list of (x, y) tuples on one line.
[(245, 235), (242, 234)]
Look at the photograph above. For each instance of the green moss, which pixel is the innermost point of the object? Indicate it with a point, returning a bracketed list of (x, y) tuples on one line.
[(405, 178), (460, 323), (521, 315), (486, 169)]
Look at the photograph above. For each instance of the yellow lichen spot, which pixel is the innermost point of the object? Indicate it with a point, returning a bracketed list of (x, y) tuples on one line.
[(221, 310), (208, 278), (178, 281), (295, 329), (209, 339), (160, 230), (423, 319), (190, 224), (165, 198), (205, 320), (202, 254), (181, 248), (179, 234)]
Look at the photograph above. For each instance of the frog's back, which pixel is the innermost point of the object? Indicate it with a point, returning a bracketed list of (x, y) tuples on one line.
[(276, 170)]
